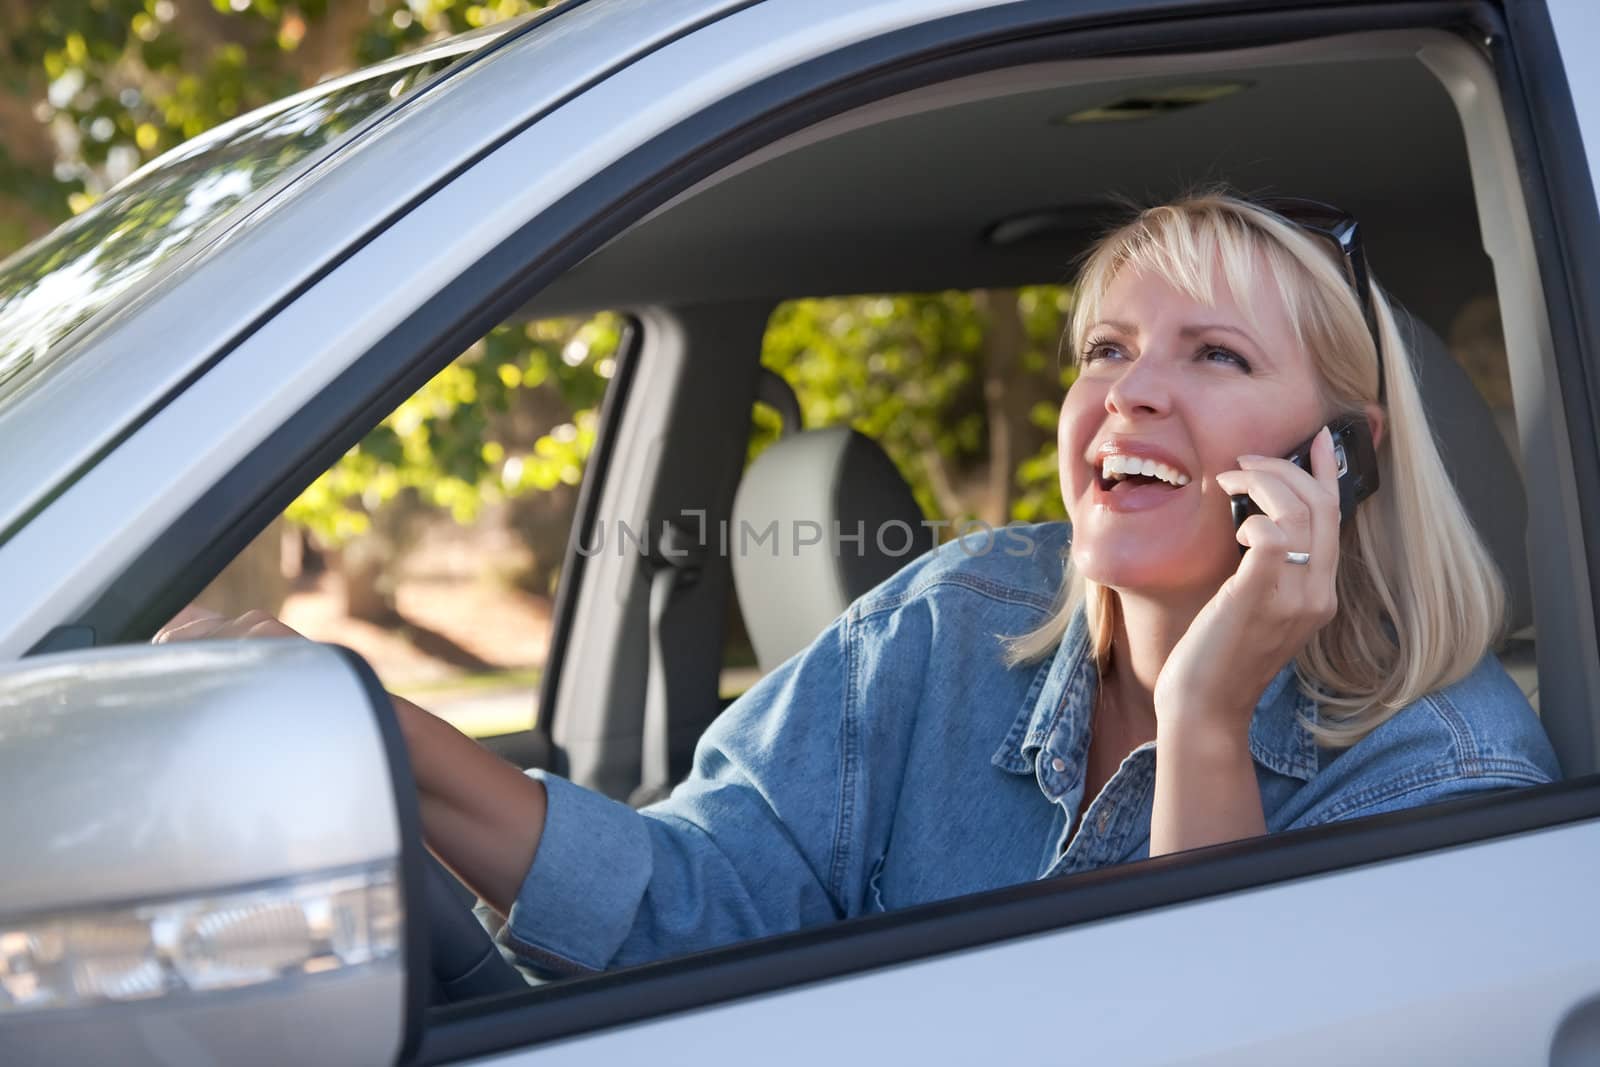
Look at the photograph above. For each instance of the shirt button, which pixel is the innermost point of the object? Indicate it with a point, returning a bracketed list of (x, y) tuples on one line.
[(1058, 764)]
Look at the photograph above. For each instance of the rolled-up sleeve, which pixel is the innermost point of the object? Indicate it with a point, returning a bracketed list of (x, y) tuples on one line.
[(749, 845), (578, 901)]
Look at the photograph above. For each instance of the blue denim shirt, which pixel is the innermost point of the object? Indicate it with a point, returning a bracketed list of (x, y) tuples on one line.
[(898, 760)]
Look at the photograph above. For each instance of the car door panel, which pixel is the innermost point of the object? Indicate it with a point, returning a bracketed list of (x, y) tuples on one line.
[(1465, 956)]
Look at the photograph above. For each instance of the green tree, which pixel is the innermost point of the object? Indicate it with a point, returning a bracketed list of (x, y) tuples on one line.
[(514, 417), (95, 88), (961, 389)]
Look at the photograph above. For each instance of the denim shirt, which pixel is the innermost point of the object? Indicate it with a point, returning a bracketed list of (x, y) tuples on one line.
[(899, 760)]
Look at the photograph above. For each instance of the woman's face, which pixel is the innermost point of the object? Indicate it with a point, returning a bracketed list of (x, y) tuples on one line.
[(1190, 388)]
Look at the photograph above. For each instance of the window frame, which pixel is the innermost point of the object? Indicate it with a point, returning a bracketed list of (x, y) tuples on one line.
[(1564, 214), (225, 518)]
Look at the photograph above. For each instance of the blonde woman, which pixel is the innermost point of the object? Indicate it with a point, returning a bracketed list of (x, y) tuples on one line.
[(1060, 699)]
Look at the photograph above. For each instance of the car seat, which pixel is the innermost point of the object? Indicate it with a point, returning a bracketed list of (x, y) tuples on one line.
[(834, 485)]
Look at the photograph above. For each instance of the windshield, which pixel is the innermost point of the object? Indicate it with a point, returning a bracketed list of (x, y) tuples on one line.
[(51, 288)]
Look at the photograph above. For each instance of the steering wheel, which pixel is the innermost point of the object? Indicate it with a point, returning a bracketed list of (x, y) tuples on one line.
[(465, 960)]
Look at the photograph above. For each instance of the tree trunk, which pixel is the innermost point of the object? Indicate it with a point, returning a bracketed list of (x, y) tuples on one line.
[(1009, 391), (541, 519), (368, 585), (370, 564), (254, 580)]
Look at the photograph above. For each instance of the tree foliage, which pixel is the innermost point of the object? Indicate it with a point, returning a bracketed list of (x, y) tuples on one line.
[(455, 442), (907, 370)]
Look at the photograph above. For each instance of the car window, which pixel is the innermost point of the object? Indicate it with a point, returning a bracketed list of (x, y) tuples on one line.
[(434, 547), (53, 287), (961, 389), (930, 376)]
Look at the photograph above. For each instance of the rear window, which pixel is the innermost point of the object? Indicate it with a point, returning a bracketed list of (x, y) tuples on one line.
[(54, 286)]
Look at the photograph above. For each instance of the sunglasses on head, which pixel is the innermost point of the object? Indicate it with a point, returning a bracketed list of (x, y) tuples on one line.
[(1343, 230)]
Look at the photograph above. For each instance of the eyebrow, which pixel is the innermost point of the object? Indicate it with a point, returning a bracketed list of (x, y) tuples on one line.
[(1187, 331)]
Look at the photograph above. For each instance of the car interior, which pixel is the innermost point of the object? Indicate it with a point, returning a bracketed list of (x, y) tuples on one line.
[(1002, 179), (996, 180)]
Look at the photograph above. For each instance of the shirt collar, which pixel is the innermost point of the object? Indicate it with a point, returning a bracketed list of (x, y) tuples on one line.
[(1064, 688)]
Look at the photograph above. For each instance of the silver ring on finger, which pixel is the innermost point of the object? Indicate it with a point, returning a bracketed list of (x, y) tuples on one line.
[(1299, 559)]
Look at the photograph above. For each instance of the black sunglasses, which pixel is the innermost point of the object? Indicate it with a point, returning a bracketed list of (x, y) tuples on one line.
[(1342, 229)]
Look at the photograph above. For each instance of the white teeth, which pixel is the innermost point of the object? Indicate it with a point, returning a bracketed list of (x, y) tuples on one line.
[(1118, 466)]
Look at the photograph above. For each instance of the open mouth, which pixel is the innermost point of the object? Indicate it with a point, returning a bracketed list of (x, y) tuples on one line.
[(1129, 472)]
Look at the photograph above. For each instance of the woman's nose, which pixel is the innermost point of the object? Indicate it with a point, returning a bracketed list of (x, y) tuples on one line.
[(1142, 389)]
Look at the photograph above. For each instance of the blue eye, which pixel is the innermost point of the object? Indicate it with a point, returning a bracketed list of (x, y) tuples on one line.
[(1217, 354), (1096, 350)]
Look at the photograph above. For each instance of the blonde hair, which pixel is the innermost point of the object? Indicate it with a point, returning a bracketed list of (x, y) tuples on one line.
[(1419, 597)]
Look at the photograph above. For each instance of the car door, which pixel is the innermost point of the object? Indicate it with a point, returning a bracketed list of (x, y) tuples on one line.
[(1453, 934), (1449, 935)]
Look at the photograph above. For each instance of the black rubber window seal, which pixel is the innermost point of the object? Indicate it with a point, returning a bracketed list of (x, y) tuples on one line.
[(1565, 219)]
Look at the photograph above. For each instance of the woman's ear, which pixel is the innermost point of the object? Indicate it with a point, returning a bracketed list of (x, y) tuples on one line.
[(1375, 423)]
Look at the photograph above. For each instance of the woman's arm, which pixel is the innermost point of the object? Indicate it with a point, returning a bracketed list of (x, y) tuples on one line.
[(749, 846), (1206, 791), (480, 815)]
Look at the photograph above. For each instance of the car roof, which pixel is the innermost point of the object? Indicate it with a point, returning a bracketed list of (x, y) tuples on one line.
[(993, 182)]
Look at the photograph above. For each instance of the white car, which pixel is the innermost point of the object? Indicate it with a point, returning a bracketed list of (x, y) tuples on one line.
[(211, 851)]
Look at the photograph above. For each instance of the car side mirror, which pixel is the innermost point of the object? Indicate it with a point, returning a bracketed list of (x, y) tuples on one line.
[(210, 850)]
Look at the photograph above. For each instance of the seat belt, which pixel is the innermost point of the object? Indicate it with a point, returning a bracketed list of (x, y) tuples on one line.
[(674, 566)]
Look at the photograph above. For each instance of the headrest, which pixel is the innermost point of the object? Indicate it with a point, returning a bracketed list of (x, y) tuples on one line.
[(796, 561), (1478, 459)]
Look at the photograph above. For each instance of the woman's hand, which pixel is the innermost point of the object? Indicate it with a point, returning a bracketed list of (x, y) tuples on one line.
[(1266, 612), (1206, 694), (195, 623)]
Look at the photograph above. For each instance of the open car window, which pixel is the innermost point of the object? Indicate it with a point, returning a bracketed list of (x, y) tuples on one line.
[(910, 204), (435, 546)]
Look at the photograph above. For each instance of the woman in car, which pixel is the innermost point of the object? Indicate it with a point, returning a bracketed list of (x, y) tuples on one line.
[(1152, 679)]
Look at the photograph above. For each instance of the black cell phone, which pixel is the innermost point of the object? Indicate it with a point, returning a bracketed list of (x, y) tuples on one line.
[(1357, 461)]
